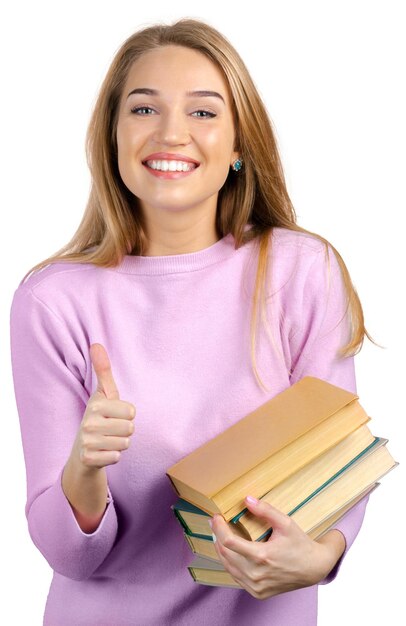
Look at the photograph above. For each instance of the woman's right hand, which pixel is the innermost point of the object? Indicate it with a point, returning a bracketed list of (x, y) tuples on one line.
[(104, 432), (107, 423)]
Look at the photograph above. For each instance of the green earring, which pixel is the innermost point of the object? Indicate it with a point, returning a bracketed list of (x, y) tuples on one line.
[(237, 164)]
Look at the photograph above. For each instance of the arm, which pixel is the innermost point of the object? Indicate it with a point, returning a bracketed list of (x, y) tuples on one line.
[(86, 490), (48, 366), (349, 527), (320, 325), (334, 541)]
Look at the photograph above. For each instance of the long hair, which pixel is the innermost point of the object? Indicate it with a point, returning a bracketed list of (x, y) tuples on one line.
[(111, 225)]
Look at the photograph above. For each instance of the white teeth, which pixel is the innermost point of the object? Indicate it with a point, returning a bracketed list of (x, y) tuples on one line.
[(172, 166)]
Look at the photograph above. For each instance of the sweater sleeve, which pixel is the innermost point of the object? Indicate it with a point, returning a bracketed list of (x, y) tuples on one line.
[(47, 368), (322, 326)]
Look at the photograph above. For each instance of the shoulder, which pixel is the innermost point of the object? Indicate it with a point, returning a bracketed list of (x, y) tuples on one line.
[(57, 283), (302, 263), (294, 253), (285, 239), (54, 272)]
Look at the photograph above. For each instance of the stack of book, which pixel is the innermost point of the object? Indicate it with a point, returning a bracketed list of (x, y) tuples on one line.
[(308, 451)]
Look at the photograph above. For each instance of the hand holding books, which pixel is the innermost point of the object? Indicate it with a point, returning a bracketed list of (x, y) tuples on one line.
[(288, 560), (307, 452)]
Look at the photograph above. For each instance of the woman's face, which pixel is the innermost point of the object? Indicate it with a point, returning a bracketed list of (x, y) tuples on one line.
[(181, 124)]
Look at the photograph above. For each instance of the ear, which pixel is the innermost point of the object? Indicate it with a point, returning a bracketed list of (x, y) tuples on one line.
[(235, 155)]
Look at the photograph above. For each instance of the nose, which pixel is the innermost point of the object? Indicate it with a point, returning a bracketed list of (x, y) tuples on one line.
[(172, 129)]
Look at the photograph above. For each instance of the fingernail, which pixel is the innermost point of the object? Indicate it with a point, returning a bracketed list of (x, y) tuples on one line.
[(214, 538), (210, 523), (251, 500)]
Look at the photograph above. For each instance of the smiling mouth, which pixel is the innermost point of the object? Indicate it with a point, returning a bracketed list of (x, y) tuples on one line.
[(170, 165), (171, 174)]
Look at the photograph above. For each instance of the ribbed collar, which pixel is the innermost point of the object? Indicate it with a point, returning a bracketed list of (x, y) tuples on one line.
[(176, 263)]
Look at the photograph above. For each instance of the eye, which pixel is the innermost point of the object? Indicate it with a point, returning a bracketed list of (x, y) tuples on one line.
[(209, 113), (136, 109)]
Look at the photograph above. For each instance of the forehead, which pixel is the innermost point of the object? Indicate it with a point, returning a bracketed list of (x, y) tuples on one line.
[(172, 69)]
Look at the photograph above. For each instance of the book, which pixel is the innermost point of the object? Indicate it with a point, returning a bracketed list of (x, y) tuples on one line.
[(296, 489), (308, 451), (267, 446), (325, 501), (206, 568)]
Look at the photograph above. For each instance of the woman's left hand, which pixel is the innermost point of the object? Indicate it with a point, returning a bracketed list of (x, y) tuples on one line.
[(288, 560)]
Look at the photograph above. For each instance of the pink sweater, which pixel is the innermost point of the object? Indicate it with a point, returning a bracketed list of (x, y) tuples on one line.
[(177, 330)]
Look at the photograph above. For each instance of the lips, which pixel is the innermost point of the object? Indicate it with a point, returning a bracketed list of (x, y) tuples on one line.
[(169, 174), (170, 156)]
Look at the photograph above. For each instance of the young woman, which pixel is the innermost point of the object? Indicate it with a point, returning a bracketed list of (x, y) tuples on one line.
[(187, 298)]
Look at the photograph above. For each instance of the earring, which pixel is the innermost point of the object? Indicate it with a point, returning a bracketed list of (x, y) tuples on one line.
[(237, 164)]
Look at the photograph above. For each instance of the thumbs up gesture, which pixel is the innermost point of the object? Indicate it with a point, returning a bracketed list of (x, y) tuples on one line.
[(104, 432), (107, 423)]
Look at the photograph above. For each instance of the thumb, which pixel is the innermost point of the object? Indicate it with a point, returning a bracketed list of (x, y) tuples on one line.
[(265, 510), (101, 363)]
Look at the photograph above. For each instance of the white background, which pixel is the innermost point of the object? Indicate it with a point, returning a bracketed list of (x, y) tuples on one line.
[(332, 77)]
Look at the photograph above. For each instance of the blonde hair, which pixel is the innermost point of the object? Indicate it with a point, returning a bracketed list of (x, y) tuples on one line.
[(111, 228)]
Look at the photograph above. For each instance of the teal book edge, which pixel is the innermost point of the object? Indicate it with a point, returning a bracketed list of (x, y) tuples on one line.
[(183, 505)]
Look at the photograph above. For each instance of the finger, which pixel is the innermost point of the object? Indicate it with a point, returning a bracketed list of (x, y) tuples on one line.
[(101, 363), (234, 569), (231, 541), (101, 458), (114, 427), (112, 408), (276, 519), (105, 443)]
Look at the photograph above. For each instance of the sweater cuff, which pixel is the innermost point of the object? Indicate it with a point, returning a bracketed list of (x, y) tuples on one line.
[(349, 526), (55, 531)]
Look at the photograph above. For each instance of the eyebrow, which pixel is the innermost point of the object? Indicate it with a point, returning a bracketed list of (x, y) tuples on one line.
[(154, 92)]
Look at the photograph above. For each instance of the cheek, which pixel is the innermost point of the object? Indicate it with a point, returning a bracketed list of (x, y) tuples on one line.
[(218, 142), (126, 152), (124, 140), (124, 157), (213, 137)]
